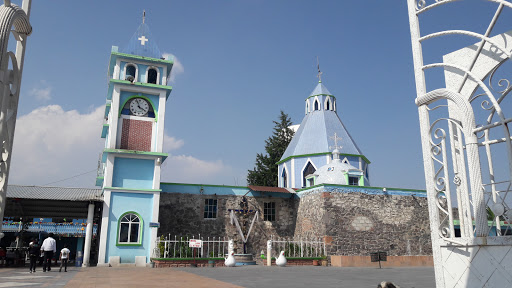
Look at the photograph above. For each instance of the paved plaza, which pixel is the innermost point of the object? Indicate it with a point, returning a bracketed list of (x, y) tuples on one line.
[(245, 276)]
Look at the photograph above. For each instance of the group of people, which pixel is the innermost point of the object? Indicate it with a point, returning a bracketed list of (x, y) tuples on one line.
[(46, 250)]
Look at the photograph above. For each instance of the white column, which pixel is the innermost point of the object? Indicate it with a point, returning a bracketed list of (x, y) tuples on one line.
[(88, 235)]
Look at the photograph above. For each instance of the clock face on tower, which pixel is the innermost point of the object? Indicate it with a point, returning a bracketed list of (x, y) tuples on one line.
[(139, 107)]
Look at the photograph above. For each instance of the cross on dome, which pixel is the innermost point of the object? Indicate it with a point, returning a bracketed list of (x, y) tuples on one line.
[(143, 40), (335, 138), (319, 72)]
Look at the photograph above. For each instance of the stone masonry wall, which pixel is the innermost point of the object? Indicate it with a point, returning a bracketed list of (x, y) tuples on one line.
[(182, 214), (355, 223)]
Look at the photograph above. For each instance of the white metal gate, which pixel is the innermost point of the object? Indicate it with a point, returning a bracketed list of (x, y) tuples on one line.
[(467, 151)]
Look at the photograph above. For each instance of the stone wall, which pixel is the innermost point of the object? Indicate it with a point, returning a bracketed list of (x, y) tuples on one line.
[(357, 223), (182, 214)]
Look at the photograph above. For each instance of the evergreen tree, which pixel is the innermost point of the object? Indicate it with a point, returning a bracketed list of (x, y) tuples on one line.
[(265, 169)]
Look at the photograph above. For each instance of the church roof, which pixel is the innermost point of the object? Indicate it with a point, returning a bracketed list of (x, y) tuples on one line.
[(315, 131), (320, 89), (333, 173), (142, 43)]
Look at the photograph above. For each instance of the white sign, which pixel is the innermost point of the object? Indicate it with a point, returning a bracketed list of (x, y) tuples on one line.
[(195, 243)]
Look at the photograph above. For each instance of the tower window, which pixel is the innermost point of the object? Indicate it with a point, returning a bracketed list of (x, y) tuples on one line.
[(327, 106), (317, 105), (354, 181), (269, 211), (285, 180), (130, 72), (152, 75), (130, 229), (310, 169), (210, 208)]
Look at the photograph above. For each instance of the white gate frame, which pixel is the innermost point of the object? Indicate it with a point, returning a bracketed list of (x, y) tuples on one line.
[(476, 259)]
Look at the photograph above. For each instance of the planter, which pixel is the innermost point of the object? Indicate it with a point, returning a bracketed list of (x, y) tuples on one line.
[(315, 263), (211, 263), (324, 263)]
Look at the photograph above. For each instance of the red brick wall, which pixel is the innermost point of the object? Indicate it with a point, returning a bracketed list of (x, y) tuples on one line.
[(136, 135)]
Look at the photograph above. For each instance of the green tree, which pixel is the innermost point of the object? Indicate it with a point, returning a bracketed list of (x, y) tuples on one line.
[(265, 169)]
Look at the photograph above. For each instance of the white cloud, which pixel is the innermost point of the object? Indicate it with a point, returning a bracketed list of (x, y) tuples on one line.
[(171, 143), (188, 169), (177, 68), (42, 92), (51, 144)]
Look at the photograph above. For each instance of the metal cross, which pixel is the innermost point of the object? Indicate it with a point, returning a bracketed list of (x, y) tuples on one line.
[(143, 16), (143, 40), (335, 138), (319, 72)]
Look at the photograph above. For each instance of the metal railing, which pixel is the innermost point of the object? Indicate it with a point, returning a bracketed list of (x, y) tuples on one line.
[(178, 247), (300, 248)]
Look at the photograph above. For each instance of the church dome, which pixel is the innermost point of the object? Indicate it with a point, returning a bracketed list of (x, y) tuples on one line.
[(334, 173)]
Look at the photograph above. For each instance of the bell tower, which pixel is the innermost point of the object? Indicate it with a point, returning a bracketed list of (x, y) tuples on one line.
[(129, 169)]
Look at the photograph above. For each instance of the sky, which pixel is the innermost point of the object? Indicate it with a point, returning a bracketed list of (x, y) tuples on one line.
[(238, 63)]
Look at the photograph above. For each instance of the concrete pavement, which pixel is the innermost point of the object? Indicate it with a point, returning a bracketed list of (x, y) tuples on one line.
[(243, 276)]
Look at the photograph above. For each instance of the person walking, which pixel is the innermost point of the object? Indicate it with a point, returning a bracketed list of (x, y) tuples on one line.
[(48, 247), (33, 252), (64, 256)]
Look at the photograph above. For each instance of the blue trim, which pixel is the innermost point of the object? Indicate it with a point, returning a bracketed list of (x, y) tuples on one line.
[(104, 131)]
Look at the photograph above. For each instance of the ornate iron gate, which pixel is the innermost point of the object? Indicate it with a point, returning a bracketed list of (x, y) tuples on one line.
[(467, 151)]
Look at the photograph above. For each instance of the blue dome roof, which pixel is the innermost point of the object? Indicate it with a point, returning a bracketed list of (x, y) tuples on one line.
[(143, 44), (315, 131)]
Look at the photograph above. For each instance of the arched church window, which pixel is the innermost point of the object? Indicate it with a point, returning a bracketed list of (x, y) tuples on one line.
[(285, 178), (327, 105), (307, 106), (130, 229), (317, 105), (130, 72), (152, 75), (309, 169)]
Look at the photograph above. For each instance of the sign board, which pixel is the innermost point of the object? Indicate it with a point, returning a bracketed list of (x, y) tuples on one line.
[(154, 224), (195, 243)]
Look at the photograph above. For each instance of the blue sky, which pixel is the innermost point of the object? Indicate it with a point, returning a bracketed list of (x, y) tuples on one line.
[(240, 63)]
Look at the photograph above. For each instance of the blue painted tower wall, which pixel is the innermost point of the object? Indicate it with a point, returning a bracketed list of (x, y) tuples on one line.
[(120, 203), (133, 173)]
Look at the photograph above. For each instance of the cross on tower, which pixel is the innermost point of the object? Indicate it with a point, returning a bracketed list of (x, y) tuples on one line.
[(335, 138), (319, 72)]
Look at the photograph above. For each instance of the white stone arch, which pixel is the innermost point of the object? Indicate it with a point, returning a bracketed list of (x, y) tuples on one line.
[(285, 170), (136, 71), (328, 103), (302, 178), (316, 102), (157, 74)]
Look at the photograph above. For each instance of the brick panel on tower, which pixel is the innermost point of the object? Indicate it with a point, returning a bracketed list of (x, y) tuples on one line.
[(136, 135)]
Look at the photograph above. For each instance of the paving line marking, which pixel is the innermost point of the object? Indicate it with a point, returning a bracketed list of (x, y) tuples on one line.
[(16, 284), (27, 277)]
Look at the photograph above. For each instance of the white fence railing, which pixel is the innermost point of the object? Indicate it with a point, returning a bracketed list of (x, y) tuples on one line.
[(178, 247), (303, 248)]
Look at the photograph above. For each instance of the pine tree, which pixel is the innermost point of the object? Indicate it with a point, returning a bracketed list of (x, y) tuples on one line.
[(265, 169)]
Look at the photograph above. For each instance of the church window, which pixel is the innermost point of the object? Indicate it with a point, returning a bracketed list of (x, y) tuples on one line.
[(130, 72), (310, 169), (130, 229), (327, 105), (152, 75), (354, 181), (210, 208), (307, 106), (285, 180), (269, 211), (317, 105)]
